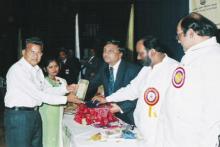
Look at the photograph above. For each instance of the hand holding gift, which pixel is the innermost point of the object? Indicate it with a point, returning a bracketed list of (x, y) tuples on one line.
[(73, 98), (72, 88)]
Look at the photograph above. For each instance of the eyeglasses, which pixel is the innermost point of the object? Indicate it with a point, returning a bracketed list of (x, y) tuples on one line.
[(178, 35)]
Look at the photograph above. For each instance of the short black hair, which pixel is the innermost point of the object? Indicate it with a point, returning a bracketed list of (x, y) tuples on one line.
[(34, 40), (113, 41), (117, 43), (198, 23), (153, 42), (63, 49)]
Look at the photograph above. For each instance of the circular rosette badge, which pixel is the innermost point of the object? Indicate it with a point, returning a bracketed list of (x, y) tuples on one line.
[(151, 96), (178, 77)]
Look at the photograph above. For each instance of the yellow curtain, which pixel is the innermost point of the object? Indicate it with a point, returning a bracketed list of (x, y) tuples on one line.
[(130, 36)]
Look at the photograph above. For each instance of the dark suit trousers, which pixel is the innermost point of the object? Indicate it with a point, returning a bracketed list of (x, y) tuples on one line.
[(23, 128)]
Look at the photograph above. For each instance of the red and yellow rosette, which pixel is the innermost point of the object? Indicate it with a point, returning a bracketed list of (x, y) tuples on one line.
[(178, 77), (151, 97)]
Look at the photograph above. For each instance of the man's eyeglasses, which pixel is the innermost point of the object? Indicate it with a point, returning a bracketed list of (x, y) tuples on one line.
[(178, 35)]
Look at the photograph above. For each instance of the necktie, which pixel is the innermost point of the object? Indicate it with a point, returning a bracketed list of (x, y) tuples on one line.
[(111, 81)]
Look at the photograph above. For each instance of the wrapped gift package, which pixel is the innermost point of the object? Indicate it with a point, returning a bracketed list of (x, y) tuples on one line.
[(99, 116)]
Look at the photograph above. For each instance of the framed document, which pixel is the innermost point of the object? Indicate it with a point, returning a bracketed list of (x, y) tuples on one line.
[(82, 89)]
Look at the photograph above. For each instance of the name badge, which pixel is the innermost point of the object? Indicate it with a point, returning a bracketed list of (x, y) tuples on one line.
[(67, 71)]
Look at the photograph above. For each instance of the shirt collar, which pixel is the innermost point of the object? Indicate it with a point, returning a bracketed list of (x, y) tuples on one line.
[(28, 65), (116, 65), (208, 42), (64, 61), (197, 50), (158, 64)]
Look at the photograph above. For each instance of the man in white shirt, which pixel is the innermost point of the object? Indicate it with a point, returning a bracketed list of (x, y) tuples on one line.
[(190, 117), (149, 86), (26, 91)]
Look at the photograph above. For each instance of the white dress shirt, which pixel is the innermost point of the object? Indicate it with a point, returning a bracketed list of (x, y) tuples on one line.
[(191, 113), (26, 87), (158, 77)]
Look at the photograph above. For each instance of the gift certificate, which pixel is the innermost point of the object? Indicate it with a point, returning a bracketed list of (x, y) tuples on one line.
[(82, 89)]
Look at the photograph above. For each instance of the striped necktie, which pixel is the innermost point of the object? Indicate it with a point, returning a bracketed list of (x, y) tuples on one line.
[(111, 81)]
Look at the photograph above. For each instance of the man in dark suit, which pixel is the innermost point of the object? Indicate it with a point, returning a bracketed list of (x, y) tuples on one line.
[(69, 67), (113, 75), (91, 65)]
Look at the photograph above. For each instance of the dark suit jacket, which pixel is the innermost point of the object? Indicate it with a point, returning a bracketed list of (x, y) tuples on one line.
[(126, 72), (70, 70), (91, 67)]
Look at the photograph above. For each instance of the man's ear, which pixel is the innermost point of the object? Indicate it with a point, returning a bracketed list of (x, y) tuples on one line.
[(190, 32), (121, 54), (152, 52), (23, 52)]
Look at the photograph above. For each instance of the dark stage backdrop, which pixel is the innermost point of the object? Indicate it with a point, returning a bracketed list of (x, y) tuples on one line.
[(53, 21), (159, 18)]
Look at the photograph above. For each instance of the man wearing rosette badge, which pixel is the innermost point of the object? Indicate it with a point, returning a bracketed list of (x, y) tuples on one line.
[(150, 86), (191, 112)]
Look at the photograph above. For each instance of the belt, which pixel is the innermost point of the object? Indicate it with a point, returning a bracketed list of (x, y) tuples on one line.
[(22, 108)]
